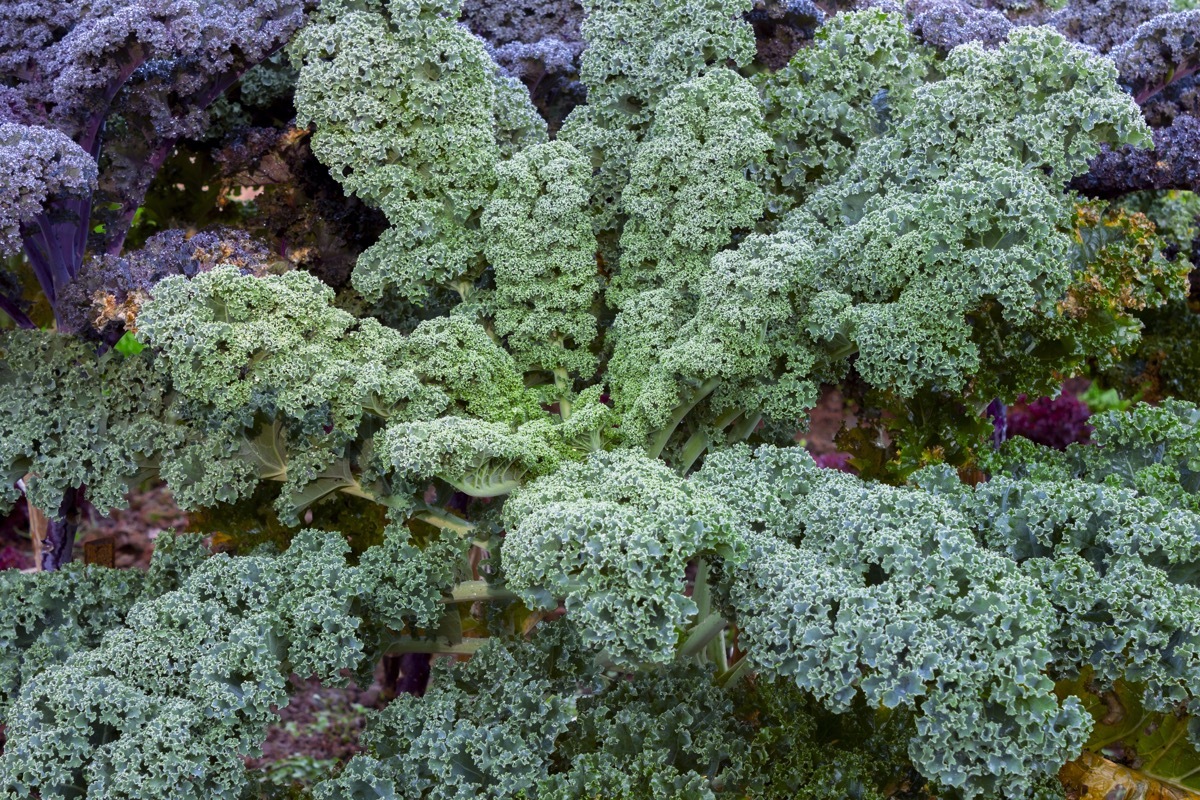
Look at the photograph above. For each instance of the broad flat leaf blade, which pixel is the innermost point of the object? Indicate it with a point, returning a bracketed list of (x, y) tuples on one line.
[(1147, 753), (1092, 777)]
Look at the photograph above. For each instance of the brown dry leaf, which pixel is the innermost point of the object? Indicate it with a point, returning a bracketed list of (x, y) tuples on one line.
[(1092, 777), (107, 309)]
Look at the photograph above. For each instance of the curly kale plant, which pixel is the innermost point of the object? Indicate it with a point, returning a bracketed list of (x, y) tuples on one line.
[(575, 462), (957, 607)]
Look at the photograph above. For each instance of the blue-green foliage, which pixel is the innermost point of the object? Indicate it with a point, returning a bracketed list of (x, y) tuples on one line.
[(960, 607), (412, 115), (610, 537), (952, 241), (169, 703), (542, 251), (924, 254), (1152, 450), (600, 324), (487, 729), (851, 588), (69, 419), (45, 617), (835, 96), (534, 721), (688, 185), (638, 51)]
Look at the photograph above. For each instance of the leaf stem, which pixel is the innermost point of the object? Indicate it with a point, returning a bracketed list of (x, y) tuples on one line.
[(562, 382), (682, 410), (742, 431), (733, 673), (470, 591), (693, 448), (441, 518), (703, 633), (407, 645)]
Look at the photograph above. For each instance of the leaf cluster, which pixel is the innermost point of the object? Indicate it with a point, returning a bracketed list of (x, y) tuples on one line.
[(592, 331)]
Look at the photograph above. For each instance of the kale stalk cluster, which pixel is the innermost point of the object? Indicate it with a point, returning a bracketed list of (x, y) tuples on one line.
[(607, 258)]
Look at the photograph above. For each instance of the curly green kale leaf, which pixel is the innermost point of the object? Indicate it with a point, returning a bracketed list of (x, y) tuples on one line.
[(482, 459), (689, 186), (279, 384), (171, 703), (942, 251), (277, 345), (653, 386), (543, 255), (1109, 531), (611, 537), (636, 53), (475, 376), (411, 115), (1125, 575), (846, 89), (488, 728), (668, 733), (853, 588), (404, 580), (47, 616), (689, 192), (1153, 450), (70, 419)]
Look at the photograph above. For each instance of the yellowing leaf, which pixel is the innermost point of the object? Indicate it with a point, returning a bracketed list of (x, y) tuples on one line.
[(1092, 777)]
